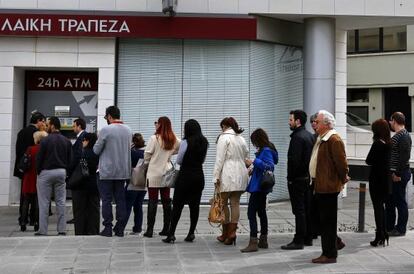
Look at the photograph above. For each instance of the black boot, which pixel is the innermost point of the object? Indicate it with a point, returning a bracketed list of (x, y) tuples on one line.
[(152, 211), (166, 206)]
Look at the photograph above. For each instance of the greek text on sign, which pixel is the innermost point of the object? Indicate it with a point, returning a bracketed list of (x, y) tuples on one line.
[(66, 25)]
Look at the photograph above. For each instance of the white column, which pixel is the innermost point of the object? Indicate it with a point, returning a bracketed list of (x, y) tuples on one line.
[(319, 65)]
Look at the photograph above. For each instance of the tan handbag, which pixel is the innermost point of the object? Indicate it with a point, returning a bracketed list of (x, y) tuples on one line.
[(216, 213)]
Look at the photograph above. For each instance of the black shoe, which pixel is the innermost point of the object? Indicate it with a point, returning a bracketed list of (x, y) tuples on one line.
[(308, 243), (190, 238), (395, 233), (169, 239), (119, 233), (72, 221), (106, 232), (163, 232), (292, 246), (36, 227), (61, 234), (23, 228)]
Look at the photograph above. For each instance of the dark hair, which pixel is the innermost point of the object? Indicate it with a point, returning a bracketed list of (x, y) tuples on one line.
[(80, 122), (381, 131), (232, 123), (166, 133), (36, 117), (313, 117), (299, 114), (138, 140), (113, 111), (196, 141), (91, 137), (398, 117), (260, 139), (53, 120)]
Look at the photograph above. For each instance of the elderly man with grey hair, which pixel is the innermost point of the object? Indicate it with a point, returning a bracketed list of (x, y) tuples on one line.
[(328, 169)]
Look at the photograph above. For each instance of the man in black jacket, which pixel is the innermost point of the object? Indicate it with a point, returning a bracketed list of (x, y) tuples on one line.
[(299, 153), (23, 141), (79, 126)]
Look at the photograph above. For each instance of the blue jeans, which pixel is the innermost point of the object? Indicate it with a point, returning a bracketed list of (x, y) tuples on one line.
[(257, 204), (107, 190), (134, 198), (397, 200)]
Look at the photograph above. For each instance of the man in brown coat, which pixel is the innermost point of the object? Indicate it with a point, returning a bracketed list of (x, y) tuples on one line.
[(328, 169)]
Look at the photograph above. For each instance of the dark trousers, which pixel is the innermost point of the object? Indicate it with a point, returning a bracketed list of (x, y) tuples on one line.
[(378, 203), (397, 200), (86, 212), (328, 214), (257, 204), (30, 208), (134, 199), (300, 199), (107, 190), (179, 201)]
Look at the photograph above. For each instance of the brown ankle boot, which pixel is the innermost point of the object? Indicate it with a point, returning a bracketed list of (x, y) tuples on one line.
[(252, 247), (231, 234), (263, 242), (223, 236)]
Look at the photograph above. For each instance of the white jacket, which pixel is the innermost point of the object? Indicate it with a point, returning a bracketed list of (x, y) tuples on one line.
[(230, 168)]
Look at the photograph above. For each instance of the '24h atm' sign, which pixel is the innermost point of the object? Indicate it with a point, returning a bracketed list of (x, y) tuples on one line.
[(127, 26)]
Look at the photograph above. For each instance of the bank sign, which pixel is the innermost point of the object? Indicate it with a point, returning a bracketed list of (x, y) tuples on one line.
[(127, 26)]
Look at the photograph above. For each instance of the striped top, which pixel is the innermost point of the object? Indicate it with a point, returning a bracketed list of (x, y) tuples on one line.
[(400, 151)]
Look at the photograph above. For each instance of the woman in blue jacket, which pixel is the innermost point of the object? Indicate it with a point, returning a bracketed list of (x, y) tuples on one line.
[(266, 159)]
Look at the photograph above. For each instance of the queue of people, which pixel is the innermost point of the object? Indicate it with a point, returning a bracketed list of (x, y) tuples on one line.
[(317, 171)]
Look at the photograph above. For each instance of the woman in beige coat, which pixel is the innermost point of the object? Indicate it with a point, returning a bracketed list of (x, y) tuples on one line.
[(161, 146), (230, 173)]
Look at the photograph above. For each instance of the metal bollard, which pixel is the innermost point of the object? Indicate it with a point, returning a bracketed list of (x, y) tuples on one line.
[(361, 212)]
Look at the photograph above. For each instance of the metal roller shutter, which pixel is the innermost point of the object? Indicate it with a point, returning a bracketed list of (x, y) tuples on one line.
[(216, 85), (257, 83)]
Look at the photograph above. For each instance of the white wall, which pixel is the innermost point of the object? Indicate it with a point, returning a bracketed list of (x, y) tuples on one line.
[(19, 54), (322, 7)]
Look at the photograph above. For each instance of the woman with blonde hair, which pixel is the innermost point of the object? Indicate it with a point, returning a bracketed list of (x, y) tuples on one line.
[(161, 146), (230, 174), (29, 191)]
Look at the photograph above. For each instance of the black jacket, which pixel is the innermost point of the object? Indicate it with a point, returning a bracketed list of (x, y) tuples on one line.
[(23, 141), (299, 154), (55, 152), (379, 160), (76, 152)]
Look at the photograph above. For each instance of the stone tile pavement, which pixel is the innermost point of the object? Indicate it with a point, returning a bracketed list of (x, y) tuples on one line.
[(21, 252)]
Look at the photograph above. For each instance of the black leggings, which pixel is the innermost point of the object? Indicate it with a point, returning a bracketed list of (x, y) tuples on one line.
[(178, 204)]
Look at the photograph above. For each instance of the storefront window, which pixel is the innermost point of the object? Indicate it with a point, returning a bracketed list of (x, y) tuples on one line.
[(359, 95), (395, 38)]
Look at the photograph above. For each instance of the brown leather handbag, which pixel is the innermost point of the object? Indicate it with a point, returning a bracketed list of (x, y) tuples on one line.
[(216, 213)]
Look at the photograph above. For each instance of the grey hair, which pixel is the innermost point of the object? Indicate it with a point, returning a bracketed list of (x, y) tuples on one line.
[(328, 118)]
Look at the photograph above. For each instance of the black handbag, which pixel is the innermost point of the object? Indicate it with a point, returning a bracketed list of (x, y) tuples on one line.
[(268, 181), (78, 175)]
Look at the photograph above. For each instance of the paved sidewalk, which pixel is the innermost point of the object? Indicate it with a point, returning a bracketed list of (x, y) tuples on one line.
[(133, 254), (21, 252)]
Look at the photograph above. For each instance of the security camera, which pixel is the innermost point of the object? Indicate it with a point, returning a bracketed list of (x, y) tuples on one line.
[(169, 7)]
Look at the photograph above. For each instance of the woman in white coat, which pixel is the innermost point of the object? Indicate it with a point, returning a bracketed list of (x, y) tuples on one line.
[(231, 174), (161, 146)]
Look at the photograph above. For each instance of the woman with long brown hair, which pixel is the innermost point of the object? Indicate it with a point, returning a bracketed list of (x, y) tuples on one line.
[(230, 174), (161, 146), (379, 178)]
